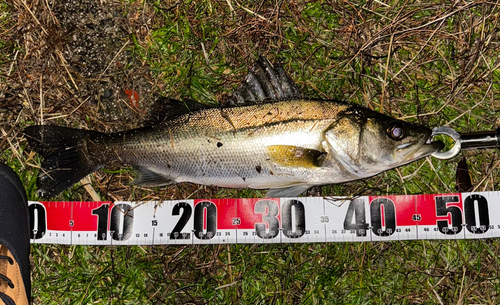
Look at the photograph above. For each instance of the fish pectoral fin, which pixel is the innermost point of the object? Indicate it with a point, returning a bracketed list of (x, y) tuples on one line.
[(292, 191), (148, 178), (295, 156)]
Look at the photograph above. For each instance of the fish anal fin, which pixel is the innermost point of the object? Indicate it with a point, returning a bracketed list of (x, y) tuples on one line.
[(295, 156), (148, 178), (291, 191)]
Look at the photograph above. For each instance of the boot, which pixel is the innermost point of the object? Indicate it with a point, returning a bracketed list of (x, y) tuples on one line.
[(15, 282)]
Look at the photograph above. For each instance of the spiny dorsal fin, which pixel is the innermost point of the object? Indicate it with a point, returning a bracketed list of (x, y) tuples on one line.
[(264, 83)]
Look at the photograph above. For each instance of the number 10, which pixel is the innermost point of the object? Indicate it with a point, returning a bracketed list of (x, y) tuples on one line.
[(120, 223)]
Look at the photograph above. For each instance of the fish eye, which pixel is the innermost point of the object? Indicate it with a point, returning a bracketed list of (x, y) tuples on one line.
[(396, 131)]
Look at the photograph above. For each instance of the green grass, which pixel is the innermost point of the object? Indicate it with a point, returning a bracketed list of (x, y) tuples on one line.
[(399, 58), (368, 273)]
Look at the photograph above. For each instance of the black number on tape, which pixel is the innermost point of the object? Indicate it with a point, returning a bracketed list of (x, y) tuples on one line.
[(205, 213), (416, 217), (355, 218), (442, 210), (269, 210), (186, 214), (102, 221), (389, 216), (293, 219), (470, 214), (38, 223), (122, 221)]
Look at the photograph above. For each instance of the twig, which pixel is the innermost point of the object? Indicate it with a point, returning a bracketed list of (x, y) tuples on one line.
[(72, 111), (41, 100), (205, 53), (382, 3), (385, 75), (226, 285), (14, 150), (63, 62), (471, 108), (443, 18), (10, 131), (230, 6), (428, 159), (486, 176), (12, 64), (88, 187), (419, 51), (34, 17), (415, 172), (112, 60), (28, 100), (434, 291), (54, 19), (251, 12)]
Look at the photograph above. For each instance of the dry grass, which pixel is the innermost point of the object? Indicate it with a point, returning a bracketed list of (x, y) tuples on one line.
[(69, 63)]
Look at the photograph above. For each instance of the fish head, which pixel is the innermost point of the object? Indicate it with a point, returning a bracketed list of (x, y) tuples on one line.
[(366, 143)]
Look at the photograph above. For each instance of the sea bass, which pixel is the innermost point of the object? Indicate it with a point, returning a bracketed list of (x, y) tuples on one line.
[(266, 137)]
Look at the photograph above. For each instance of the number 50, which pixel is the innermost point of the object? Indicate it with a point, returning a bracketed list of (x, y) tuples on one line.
[(443, 209)]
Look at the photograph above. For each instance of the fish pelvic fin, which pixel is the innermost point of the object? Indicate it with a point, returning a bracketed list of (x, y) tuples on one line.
[(265, 82), (68, 156)]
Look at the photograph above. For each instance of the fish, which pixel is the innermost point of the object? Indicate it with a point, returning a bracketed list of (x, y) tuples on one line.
[(264, 135)]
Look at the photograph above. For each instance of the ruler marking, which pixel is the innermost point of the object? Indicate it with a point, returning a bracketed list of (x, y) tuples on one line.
[(73, 222), (324, 225), (236, 215), (415, 212)]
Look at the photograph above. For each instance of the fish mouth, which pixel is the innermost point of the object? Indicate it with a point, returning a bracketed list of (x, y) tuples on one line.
[(427, 148), (422, 148)]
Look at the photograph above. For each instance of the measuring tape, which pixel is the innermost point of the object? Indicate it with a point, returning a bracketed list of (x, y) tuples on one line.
[(270, 220)]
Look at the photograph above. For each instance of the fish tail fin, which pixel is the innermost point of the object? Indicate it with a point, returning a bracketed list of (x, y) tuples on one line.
[(68, 156)]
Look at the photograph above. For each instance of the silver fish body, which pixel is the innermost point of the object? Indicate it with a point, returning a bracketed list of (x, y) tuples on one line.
[(235, 147), (285, 146), (265, 137)]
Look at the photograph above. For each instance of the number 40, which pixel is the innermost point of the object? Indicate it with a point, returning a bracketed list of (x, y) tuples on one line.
[(382, 214)]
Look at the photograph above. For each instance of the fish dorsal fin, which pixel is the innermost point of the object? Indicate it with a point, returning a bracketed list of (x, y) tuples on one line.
[(166, 108), (264, 83)]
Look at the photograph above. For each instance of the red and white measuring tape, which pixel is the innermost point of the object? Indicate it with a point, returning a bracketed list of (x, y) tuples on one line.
[(271, 220)]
